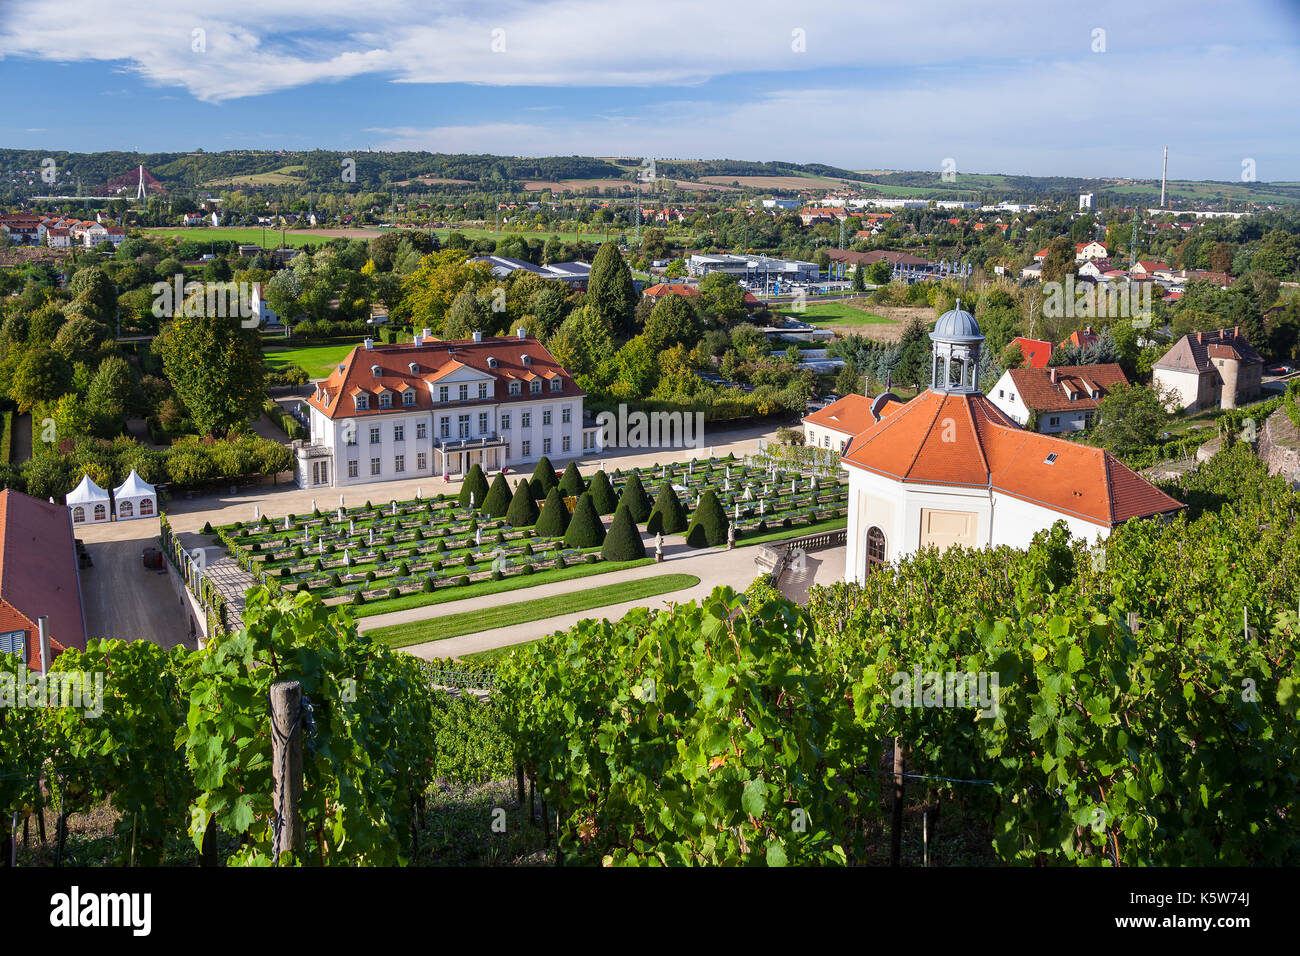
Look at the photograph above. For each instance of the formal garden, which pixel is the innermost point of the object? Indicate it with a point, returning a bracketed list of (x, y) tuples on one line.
[(498, 536)]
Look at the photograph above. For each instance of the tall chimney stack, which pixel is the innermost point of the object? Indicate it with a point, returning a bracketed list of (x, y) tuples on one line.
[(1164, 171)]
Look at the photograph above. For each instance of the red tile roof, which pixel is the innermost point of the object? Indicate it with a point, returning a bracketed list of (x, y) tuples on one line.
[(1035, 351), (1081, 337), (966, 441), (670, 288), (1049, 389), (851, 414), (38, 574), (434, 360)]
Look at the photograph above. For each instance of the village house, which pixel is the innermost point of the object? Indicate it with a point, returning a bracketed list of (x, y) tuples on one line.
[(1059, 399), (1217, 369)]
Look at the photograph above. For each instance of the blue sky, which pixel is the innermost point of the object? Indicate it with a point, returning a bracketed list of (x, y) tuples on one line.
[(1042, 88)]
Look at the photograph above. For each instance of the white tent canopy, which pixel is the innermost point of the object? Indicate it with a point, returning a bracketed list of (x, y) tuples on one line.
[(135, 498), (89, 503)]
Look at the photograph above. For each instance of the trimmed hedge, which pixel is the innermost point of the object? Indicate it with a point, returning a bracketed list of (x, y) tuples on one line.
[(544, 478), (523, 509), (554, 519), (668, 515), (572, 483), (623, 542), (475, 484), (635, 498), (602, 493), (709, 524), (498, 498), (585, 528)]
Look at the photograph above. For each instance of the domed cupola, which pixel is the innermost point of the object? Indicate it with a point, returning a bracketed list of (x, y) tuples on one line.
[(957, 340)]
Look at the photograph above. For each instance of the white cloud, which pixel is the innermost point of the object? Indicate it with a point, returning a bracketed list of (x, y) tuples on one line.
[(251, 48)]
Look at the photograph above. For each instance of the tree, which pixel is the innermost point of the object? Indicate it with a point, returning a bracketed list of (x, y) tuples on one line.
[(498, 498), (215, 366), (283, 293), (722, 299), (42, 376), (610, 291), (474, 486), (554, 519), (668, 516), (1059, 261), (95, 289), (1013, 356), (466, 316), (635, 498), (623, 542), (80, 339), (859, 278), (583, 342), (709, 523), (109, 395), (523, 508), (673, 321), (585, 529), (914, 354), (1130, 418), (880, 272), (544, 478), (602, 493), (572, 483)]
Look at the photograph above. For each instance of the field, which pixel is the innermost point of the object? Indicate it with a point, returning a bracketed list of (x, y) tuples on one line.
[(318, 360), (424, 551), (255, 235), (284, 176), (776, 182), (576, 185), (837, 315)]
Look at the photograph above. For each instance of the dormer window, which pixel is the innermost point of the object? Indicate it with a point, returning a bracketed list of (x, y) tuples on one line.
[(535, 386), (526, 359), (414, 367), (408, 397), (375, 370), (363, 402), (514, 388), (557, 384), (492, 362), (385, 399)]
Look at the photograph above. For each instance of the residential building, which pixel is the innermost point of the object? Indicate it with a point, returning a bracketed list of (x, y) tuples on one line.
[(1059, 399), (435, 407), (38, 578), (951, 468), (1035, 351), (1084, 251), (1081, 338), (1210, 369), (832, 427), (661, 290)]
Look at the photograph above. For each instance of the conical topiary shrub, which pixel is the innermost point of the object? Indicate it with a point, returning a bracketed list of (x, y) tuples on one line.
[(498, 498), (544, 478), (585, 528), (623, 542), (668, 515), (602, 493), (572, 484), (523, 509), (475, 484), (709, 523), (554, 520), (634, 496)]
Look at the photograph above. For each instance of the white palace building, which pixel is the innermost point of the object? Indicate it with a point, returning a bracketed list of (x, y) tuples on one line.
[(951, 468), (432, 408)]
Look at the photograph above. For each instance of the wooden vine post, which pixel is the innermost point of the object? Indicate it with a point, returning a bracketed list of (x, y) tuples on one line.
[(896, 829), (286, 767)]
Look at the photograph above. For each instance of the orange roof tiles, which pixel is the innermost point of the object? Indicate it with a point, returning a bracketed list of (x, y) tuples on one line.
[(966, 441), (38, 574), (851, 414), (1048, 389)]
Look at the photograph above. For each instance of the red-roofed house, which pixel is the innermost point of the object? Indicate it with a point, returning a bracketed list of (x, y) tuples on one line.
[(1084, 251), (1082, 338), (1148, 268), (1059, 399), (433, 407), (951, 468), (660, 289), (38, 578), (1035, 351), (833, 426)]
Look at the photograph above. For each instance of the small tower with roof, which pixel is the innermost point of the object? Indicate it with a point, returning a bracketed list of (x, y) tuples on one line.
[(956, 354)]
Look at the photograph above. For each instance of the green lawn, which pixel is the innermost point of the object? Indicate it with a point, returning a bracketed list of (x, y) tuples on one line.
[(318, 360), (504, 615), (782, 534), (836, 313), (250, 235), (480, 588)]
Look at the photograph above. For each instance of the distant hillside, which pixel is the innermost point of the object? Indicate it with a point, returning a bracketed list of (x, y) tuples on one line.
[(321, 170)]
